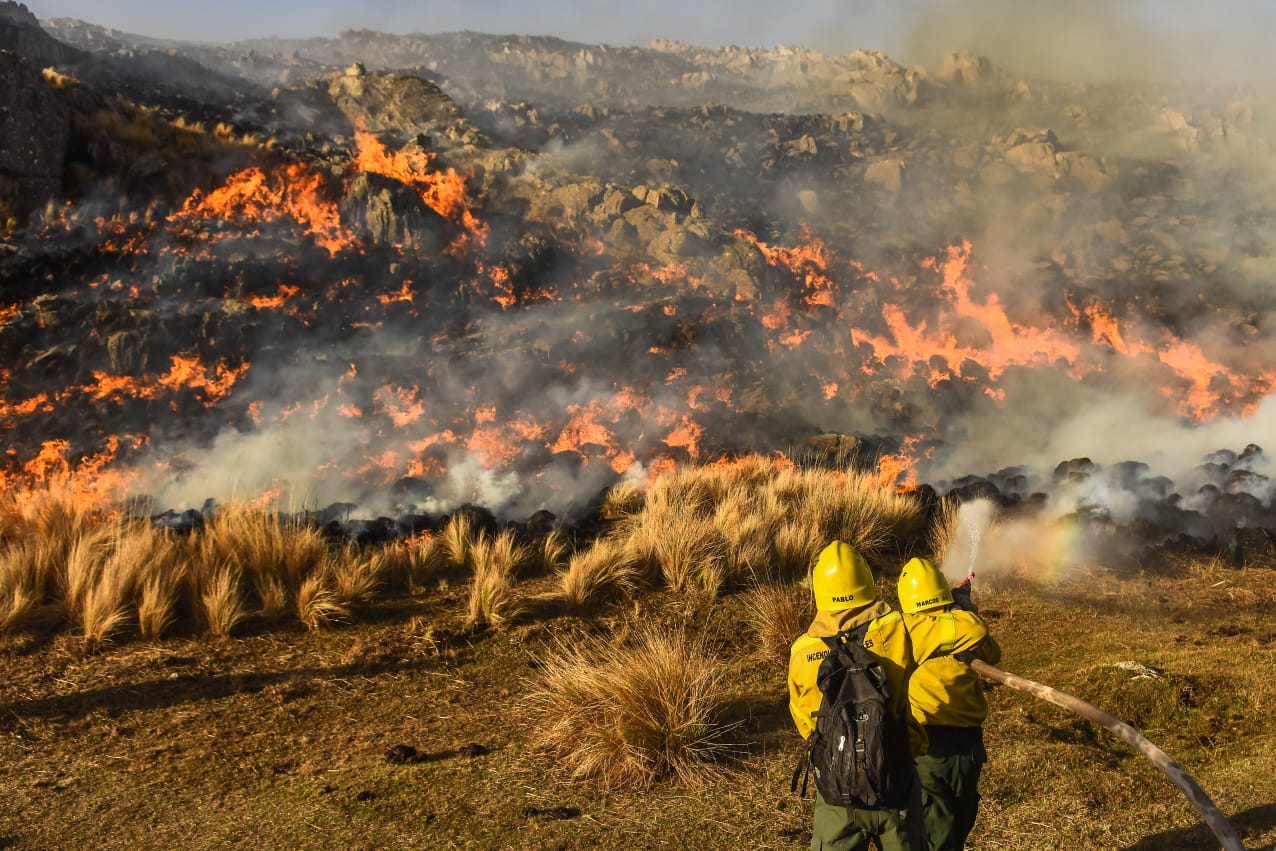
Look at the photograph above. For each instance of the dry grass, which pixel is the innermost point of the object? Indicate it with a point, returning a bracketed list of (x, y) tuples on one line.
[(943, 529), (357, 574), (794, 548), (621, 501), (778, 614), (21, 588), (410, 564), (221, 601), (698, 531), (157, 599), (104, 575), (43, 529), (270, 550), (628, 716), (317, 604), (552, 552), (457, 539), (603, 572), (494, 599), (729, 525)]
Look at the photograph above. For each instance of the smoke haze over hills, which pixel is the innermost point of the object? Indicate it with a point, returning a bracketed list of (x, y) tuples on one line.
[(1224, 42), (413, 270)]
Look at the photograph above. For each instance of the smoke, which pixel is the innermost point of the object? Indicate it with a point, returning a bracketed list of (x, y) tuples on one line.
[(1090, 40), (1095, 40), (683, 339)]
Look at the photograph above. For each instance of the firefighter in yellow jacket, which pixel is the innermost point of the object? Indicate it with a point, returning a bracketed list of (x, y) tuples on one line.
[(947, 699), (845, 597)]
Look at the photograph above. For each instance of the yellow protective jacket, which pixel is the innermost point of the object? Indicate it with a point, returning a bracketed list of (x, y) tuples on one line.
[(886, 638), (944, 690)]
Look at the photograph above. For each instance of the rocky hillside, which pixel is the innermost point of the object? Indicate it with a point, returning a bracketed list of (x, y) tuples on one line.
[(514, 269)]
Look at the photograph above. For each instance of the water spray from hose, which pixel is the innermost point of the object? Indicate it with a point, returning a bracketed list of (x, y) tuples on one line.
[(976, 518)]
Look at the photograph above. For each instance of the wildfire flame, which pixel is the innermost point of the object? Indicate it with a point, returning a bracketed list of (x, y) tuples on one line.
[(254, 196), (836, 321), (443, 190)]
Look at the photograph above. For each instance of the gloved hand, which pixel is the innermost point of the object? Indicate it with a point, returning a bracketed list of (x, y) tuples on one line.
[(962, 599)]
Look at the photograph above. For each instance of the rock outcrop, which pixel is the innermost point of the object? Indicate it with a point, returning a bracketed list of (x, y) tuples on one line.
[(34, 132)]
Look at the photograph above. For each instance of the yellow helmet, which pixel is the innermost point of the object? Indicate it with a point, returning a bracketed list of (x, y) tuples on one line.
[(842, 579), (922, 586)]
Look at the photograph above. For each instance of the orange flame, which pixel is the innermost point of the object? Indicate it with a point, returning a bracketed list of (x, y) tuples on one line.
[(253, 195), (443, 191)]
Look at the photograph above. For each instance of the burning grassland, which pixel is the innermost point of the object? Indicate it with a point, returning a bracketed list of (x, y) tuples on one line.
[(445, 394), (698, 531), (355, 291)]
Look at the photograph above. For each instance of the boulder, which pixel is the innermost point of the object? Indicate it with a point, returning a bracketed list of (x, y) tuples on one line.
[(391, 213), (963, 67), (35, 130), (887, 173)]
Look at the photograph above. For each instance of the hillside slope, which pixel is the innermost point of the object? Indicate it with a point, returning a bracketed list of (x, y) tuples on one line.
[(282, 738)]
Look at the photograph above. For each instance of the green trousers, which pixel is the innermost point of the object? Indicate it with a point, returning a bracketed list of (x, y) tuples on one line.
[(852, 829), (948, 775)]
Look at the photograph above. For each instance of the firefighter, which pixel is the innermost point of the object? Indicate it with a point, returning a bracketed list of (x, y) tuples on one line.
[(947, 699), (845, 597)]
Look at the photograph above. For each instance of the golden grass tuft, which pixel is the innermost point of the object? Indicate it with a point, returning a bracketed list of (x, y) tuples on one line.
[(943, 529), (157, 599), (274, 553), (222, 603), (778, 614), (357, 574), (272, 597), (158, 574), (494, 599), (628, 716), (731, 524), (21, 588), (603, 572), (794, 547), (457, 539), (318, 605), (552, 552), (621, 501)]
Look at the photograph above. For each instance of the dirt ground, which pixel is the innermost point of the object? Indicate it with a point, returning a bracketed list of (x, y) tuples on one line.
[(403, 729)]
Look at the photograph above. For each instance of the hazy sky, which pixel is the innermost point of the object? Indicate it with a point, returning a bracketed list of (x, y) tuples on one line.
[(1226, 39)]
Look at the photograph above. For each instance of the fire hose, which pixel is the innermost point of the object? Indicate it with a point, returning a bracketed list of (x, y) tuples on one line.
[(1216, 821)]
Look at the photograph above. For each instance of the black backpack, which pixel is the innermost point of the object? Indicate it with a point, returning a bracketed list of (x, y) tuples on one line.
[(860, 750)]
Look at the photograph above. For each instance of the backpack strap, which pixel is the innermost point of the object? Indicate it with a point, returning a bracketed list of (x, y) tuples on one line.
[(803, 770)]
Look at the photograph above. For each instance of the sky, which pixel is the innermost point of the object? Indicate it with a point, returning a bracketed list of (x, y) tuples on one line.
[(1081, 39)]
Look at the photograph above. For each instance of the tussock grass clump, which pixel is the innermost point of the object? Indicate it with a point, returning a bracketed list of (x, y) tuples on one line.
[(221, 601), (318, 605), (943, 529), (552, 551), (778, 614), (157, 599), (628, 716), (156, 569), (118, 571), (21, 586), (603, 572), (39, 533), (623, 500), (271, 551), (457, 540), (757, 519), (410, 564), (357, 574), (494, 599), (794, 548)]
